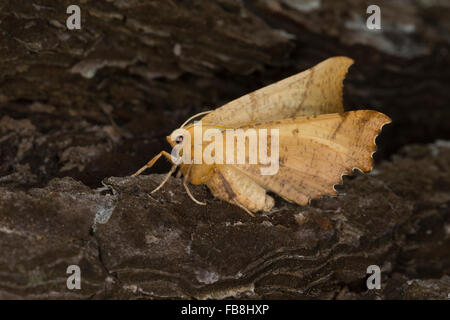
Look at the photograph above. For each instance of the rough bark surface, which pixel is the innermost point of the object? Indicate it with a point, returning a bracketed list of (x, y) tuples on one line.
[(91, 105)]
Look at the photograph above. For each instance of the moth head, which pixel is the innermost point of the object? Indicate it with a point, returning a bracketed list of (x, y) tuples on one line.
[(183, 133)]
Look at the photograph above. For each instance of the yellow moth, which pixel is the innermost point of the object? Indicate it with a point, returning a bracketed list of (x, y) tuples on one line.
[(316, 141)]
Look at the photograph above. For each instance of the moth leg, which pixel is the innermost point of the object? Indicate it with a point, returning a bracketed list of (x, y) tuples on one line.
[(152, 162), (189, 191), (243, 208), (166, 178), (231, 185), (179, 173)]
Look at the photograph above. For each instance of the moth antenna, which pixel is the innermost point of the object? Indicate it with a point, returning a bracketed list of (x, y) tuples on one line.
[(166, 178), (195, 116), (187, 189)]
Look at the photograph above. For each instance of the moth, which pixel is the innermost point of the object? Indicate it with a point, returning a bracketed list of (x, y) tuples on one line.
[(318, 142)]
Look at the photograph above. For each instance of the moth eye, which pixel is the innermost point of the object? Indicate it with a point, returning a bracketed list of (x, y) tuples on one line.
[(179, 139)]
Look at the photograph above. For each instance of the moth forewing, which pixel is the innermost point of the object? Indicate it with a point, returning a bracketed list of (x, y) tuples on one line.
[(315, 152), (272, 155), (317, 90)]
